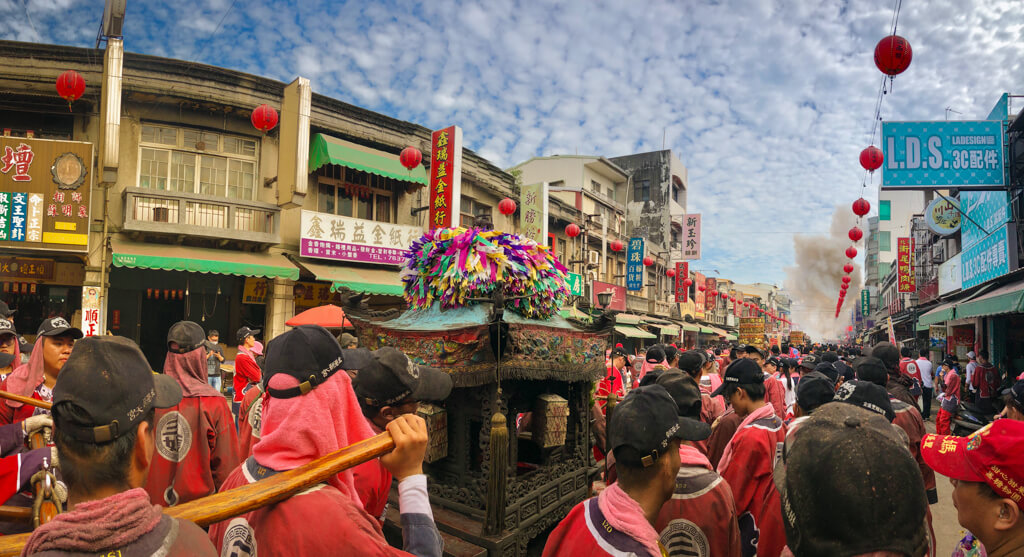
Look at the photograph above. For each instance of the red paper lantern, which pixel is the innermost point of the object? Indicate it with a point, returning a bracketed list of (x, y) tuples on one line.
[(264, 118), (846, 279), (687, 283), (616, 245), (701, 287), (505, 207), (849, 328), (648, 261), (848, 268), (856, 234), (851, 252), (70, 86), (861, 207), (844, 286), (411, 157), (167, 293), (181, 294), (670, 273), (871, 158), (572, 230), (893, 55)]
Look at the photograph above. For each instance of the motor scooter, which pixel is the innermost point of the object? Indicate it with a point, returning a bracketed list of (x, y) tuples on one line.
[(969, 418)]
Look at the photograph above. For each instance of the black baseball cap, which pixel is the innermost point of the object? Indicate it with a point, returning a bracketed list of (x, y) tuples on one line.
[(740, 372), (109, 379), (828, 370), (56, 326), (690, 361), (655, 355), (881, 489), (774, 361), (618, 351), (390, 377), (184, 337), (867, 396), (670, 351), (752, 349), (814, 390), (5, 310), (26, 346), (311, 355), (246, 332), (684, 391), (1016, 391), (7, 328), (809, 361), (872, 370), (647, 421)]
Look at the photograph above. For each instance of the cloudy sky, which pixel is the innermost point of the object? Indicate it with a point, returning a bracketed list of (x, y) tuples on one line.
[(767, 102)]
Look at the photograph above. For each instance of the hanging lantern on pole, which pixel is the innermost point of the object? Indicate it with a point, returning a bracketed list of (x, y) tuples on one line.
[(411, 157), (505, 207), (687, 283), (848, 268), (861, 207), (846, 279), (670, 273), (851, 252), (856, 234), (616, 245), (701, 287), (572, 230), (871, 158), (70, 86), (648, 261), (893, 55), (264, 118)]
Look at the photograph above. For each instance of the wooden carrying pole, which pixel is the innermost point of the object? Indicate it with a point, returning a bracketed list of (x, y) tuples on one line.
[(227, 504), (26, 400)]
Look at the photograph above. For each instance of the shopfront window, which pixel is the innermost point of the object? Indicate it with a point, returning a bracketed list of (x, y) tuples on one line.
[(352, 193), (188, 160), (469, 209)]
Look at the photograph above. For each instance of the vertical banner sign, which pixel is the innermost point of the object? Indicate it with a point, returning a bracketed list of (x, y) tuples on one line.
[(710, 301), (736, 307), (865, 303), (892, 333), (635, 264), (91, 325), (682, 272), (445, 177), (905, 266), (991, 251), (533, 203), (691, 236), (699, 298)]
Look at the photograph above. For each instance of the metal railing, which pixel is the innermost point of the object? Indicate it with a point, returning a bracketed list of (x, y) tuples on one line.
[(200, 215)]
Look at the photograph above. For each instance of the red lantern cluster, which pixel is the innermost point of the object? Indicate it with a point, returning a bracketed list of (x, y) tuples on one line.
[(893, 55), (70, 86), (871, 158), (505, 206), (264, 118), (616, 245), (861, 207), (648, 261), (572, 230), (411, 157)]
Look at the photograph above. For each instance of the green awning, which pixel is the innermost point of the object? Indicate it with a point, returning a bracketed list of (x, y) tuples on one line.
[(633, 332), (358, 279), (628, 318), (939, 314), (137, 255), (324, 149), (669, 330), (690, 327), (1005, 299), (708, 331), (921, 327), (730, 336)]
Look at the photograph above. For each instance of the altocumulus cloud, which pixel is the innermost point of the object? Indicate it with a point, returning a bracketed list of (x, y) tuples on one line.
[(767, 102)]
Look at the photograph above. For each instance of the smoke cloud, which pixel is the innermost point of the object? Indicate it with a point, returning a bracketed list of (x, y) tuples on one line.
[(813, 283)]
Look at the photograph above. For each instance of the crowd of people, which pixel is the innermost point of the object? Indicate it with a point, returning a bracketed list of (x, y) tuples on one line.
[(734, 452)]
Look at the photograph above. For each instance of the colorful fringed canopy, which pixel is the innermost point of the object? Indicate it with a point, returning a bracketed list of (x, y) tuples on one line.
[(452, 265)]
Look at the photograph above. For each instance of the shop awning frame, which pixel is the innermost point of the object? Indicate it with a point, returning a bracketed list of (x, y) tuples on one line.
[(633, 332), (940, 313), (383, 282), (1008, 298), (141, 255), (628, 319), (324, 149), (669, 330)]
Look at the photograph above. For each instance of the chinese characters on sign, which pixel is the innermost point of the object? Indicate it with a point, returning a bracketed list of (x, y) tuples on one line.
[(905, 265), (691, 236), (533, 205), (865, 302), (710, 301), (682, 273), (752, 331), (17, 267), (329, 236), (942, 154), (698, 296), (635, 264), (306, 294), (45, 189), (618, 293), (575, 283), (445, 177), (91, 325)]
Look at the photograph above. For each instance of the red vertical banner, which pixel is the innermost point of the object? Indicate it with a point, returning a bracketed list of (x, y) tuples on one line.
[(710, 302), (905, 265), (445, 177), (682, 273)]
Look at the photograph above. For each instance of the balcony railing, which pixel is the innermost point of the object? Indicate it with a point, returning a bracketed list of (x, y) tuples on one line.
[(164, 212)]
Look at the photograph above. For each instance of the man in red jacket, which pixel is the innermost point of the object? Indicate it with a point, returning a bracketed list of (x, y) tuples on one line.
[(196, 447), (644, 436), (700, 518), (986, 381), (774, 390), (247, 371), (37, 378), (749, 459)]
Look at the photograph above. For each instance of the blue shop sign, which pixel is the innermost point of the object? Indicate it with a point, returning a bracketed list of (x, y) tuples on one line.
[(923, 155), (990, 209), (635, 264), (991, 257)]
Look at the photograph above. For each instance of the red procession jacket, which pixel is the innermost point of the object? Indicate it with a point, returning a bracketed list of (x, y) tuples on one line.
[(250, 416), (700, 518), (10, 415), (196, 449), (585, 531), (909, 419), (749, 474), (775, 394), (246, 371)]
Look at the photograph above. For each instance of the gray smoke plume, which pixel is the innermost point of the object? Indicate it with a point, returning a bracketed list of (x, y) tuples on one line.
[(814, 282)]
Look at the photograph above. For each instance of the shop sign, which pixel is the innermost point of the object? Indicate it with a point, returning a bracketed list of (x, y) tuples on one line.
[(575, 283), (305, 294), (905, 265), (533, 207), (736, 307), (327, 236), (752, 331), (989, 258), (45, 188), (865, 302), (618, 293), (445, 177), (943, 216), (691, 236), (937, 335), (682, 273), (699, 298), (91, 325), (20, 267), (990, 209), (711, 285), (950, 278), (926, 155), (255, 291), (892, 333), (635, 264)]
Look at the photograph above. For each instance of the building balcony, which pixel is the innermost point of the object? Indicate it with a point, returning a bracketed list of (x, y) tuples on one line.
[(170, 213)]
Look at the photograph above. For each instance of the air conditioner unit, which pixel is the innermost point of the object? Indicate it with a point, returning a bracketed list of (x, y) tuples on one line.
[(113, 18), (592, 276), (594, 257)]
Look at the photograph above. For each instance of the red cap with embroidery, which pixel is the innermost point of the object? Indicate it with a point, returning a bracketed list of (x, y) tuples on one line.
[(991, 455)]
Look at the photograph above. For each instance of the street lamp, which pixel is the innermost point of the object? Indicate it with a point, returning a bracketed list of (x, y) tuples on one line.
[(604, 299)]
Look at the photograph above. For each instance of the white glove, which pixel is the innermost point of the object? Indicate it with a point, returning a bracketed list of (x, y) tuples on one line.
[(35, 423)]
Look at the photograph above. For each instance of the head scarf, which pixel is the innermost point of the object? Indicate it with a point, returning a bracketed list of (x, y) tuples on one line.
[(189, 370), (295, 431), (257, 348), (25, 378)]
